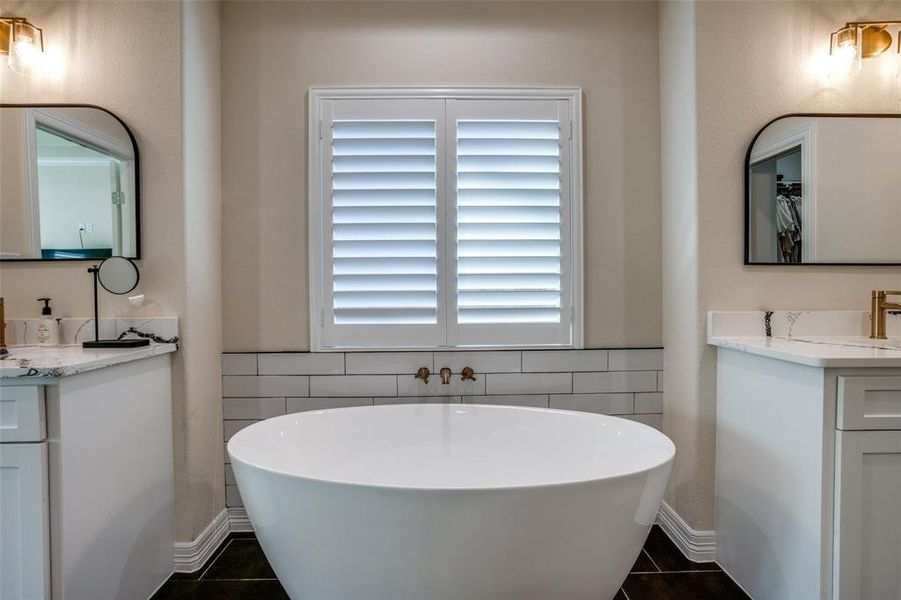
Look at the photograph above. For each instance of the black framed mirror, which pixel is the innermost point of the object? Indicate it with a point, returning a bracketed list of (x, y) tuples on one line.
[(824, 189), (70, 187)]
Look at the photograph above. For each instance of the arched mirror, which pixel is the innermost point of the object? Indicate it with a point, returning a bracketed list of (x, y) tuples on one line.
[(70, 184), (824, 190)]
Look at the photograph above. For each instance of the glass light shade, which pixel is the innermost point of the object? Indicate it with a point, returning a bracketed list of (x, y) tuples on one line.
[(845, 49), (25, 47)]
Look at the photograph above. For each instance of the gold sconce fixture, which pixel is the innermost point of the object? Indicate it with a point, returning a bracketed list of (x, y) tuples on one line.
[(22, 42), (863, 39)]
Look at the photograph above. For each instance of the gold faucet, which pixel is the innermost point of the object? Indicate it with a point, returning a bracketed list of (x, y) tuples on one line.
[(879, 307), (445, 375), (3, 351), (423, 373), (467, 373)]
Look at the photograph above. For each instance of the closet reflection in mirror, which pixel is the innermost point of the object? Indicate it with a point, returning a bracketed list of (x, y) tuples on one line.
[(825, 189), (69, 184)]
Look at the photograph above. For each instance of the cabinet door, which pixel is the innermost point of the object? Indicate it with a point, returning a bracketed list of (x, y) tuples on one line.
[(24, 523), (867, 542)]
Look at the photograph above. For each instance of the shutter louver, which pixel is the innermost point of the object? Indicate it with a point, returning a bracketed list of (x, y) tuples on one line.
[(508, 222), (384, 222)]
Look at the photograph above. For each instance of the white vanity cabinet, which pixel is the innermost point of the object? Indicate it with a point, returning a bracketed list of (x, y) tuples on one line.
[(808, 471), (24, 494), (867, 539), (86, 495)]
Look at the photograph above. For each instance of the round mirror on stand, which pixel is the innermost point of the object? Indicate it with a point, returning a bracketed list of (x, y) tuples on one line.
[(118, 275)]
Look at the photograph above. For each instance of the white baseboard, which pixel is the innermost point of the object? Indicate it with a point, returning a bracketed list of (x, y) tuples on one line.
[(237, 519), (699, 546), (191, 556)]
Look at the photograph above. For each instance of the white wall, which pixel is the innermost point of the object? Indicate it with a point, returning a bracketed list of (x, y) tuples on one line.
[(688, 422), (274, 51), (754, 61), (200, 491), (127, 57)]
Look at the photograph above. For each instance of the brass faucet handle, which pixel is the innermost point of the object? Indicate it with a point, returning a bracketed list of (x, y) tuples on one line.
[(423, 373), (445, 375), (468, 373)]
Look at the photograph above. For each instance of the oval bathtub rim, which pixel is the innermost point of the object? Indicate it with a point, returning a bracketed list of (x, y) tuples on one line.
[(441, 489)]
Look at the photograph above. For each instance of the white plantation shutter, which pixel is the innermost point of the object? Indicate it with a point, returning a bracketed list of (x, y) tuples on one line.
[(383, 210), (510, 183), (443, 222), (508, 221)]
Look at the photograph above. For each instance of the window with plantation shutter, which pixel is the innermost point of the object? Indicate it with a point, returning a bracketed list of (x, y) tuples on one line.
[(444, 219)]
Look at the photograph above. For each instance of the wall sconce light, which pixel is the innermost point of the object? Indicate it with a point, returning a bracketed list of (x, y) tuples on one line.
[(863, 39), (22, 42)]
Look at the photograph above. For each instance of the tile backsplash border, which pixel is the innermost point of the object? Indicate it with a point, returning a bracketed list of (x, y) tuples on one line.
[(626, 382)]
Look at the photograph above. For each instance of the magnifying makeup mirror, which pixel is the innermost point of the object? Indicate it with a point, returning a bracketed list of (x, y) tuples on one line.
[(118, 275)]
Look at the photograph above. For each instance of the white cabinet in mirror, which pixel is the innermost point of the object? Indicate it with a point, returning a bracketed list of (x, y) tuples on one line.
[(70, 184), (824, 189)]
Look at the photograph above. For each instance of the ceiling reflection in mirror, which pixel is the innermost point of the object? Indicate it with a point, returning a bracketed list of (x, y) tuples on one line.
[(69, 186), (825, 189)]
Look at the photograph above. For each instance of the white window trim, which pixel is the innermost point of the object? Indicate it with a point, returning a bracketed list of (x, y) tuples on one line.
[(317, 95)]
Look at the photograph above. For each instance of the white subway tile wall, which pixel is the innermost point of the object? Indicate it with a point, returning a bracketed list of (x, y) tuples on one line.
[(566, 361), (650, 403), (301, 364), (626, 382), (529, 383), (239, 364), (534, 400)]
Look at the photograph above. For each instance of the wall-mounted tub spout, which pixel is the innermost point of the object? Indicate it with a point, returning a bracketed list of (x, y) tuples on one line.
[(445, 375)]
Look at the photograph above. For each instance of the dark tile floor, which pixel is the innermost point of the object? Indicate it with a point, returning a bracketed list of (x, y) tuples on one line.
[(240, 571)]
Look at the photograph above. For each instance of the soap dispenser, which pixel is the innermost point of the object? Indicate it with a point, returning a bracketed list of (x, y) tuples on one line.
[(48, 327)]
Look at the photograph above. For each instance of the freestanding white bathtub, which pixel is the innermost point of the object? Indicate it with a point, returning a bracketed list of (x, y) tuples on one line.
[(454, 502)]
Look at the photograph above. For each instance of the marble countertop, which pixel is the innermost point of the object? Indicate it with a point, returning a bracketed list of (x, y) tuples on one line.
[(819, 351), (60, 361), (825, 338)]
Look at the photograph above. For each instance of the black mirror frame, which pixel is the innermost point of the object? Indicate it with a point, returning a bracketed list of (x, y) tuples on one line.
[(134, 144), (747, 191)]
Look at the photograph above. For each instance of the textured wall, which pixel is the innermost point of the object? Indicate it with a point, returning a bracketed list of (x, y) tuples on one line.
[(127, 57), (124, 57), (689, 423), (274, 51), (199, 488), (770, 64)]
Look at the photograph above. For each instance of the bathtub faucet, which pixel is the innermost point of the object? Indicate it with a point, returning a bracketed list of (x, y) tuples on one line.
[(445, 375)]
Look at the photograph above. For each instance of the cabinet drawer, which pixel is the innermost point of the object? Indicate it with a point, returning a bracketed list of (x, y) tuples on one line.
[(22, 413), (872, 402)]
